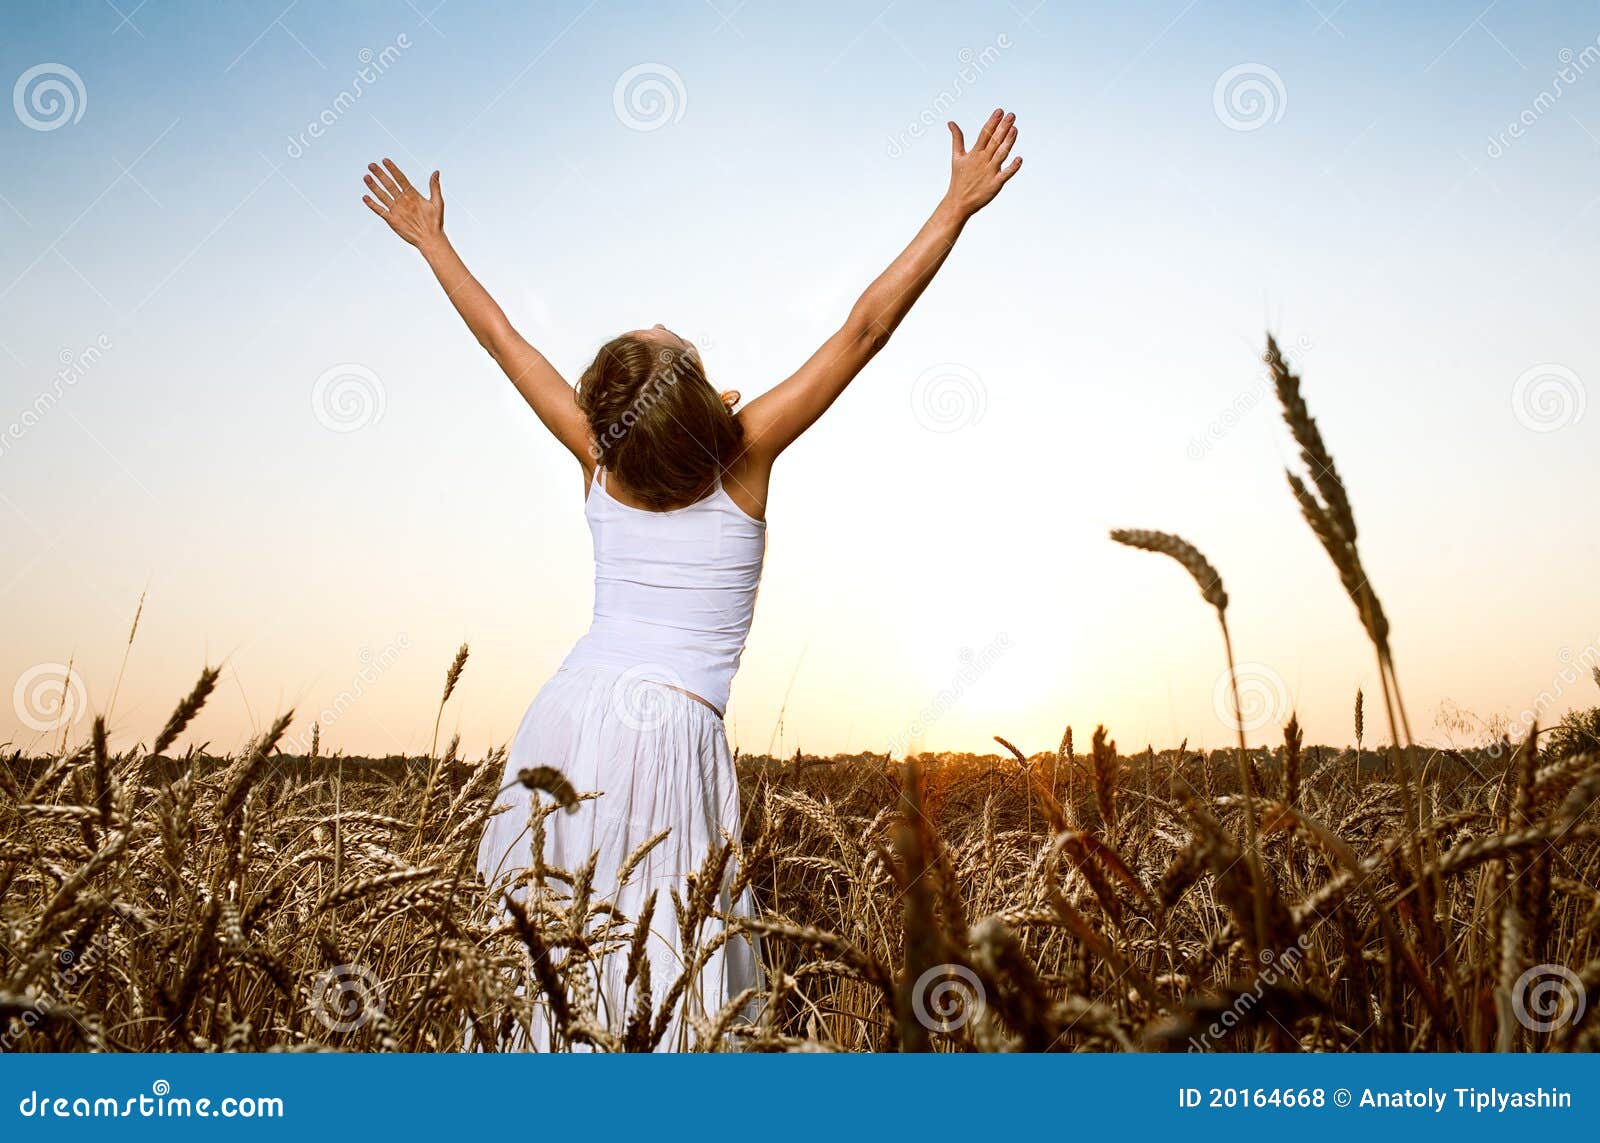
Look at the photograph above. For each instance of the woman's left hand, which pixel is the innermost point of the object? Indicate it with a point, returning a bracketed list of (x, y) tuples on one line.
[(416, 219)]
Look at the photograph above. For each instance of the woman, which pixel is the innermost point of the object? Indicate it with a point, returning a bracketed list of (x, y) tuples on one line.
[(675, 484)]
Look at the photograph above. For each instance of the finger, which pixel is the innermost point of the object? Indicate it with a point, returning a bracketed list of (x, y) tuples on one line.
[(1005, 146), (378, 192), (435, 194), (1002, 129), (1005, 175), (958, 145), (375, 208), (399, 175), (988, 129), (383, 177), (731, 399)]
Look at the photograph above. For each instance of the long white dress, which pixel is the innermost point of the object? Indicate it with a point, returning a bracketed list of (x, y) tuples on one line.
[(633, 715)]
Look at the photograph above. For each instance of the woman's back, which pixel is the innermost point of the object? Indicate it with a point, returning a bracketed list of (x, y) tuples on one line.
[(674, 591)]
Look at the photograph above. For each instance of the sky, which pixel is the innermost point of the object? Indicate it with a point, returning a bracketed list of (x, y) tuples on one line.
[(226, 388)]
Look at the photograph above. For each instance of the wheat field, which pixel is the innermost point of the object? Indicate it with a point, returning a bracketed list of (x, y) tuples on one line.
[(1279, 897)]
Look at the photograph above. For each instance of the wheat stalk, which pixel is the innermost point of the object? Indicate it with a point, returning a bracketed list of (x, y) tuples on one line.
[(451, 678), (1211, 590)]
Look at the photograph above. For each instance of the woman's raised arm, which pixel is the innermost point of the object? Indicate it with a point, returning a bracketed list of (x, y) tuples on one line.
[(775, 419), (420, 221)]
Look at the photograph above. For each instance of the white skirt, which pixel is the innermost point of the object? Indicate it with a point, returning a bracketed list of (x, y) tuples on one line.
[(659, 761)]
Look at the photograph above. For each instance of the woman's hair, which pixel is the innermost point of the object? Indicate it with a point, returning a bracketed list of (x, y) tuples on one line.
[(656, 422)]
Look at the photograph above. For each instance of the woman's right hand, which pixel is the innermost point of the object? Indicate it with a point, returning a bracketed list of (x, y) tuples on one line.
[(416, 219), (976, 176)]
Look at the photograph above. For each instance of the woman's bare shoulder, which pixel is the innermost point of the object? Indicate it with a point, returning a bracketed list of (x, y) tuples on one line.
[(746, 480)]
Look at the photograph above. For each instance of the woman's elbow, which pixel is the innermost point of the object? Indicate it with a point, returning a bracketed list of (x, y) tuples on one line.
[(869, 335), (495, 347)]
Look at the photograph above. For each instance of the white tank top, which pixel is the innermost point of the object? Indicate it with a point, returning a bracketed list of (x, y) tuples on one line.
[(674, 592)]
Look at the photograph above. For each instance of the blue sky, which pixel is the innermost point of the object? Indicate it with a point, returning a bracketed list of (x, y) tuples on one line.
[(1086, 360)]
